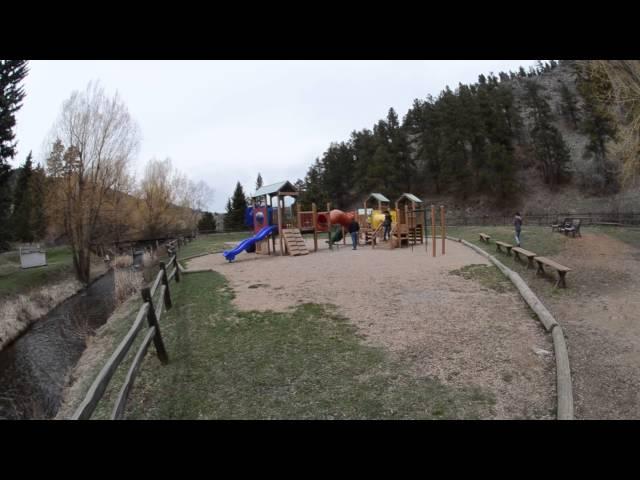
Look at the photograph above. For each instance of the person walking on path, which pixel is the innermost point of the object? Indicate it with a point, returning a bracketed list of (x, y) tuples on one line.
[(517, 222), (354, 228), (387, 226)]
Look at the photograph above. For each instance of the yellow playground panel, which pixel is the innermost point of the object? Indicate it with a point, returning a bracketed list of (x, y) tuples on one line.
[(377, 217)]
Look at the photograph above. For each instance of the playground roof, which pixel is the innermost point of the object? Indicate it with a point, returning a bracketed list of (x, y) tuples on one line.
[(285, 186), (411, 197), (380, 197)]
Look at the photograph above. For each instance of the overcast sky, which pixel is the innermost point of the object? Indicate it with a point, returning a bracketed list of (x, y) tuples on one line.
[(225, 121)]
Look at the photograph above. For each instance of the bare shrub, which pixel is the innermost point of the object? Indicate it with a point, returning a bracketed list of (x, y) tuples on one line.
[(123, 261), (148, 260), (127, 282)]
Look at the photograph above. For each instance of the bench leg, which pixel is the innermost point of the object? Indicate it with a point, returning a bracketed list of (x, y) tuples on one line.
[(508, 251), (561, 283), (540, 270), (530, 264)]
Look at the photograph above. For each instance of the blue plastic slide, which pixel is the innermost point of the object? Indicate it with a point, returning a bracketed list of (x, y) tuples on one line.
[(249, 242)]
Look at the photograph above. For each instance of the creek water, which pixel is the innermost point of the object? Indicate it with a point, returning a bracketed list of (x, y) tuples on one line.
[(34, 368)]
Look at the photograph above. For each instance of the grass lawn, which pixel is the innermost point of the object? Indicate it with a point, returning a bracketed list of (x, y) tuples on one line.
[(540, 240), (15, 280), (309, 363), (213, 242)]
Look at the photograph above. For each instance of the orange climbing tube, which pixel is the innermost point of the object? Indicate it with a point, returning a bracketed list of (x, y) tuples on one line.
[(337, 217)]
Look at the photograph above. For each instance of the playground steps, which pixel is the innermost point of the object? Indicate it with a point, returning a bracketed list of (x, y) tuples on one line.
[(415, 234), (294, 241)]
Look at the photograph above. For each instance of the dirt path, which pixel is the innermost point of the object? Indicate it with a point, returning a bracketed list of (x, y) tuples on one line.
[(408, 302), (599, 314)]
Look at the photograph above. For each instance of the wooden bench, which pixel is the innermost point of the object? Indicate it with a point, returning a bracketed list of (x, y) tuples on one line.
[(562, 270), (517, 251), (484, 238), (574, 229), (559, 226), (505, 245)]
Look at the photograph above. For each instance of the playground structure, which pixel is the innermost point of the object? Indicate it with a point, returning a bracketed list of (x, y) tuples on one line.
[(408, 223)]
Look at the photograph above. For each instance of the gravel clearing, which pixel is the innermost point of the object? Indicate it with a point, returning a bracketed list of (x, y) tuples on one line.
[(408, 302)]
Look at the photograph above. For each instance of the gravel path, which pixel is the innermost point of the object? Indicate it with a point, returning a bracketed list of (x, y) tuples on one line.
[(408, 302)]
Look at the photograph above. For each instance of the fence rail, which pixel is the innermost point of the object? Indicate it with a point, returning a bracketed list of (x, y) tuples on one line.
[(151, 312), (545, 219)]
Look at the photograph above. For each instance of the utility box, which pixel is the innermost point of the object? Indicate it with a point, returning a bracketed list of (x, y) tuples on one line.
[(32, 257)]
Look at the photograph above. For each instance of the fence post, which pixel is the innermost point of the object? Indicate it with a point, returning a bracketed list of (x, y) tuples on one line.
[(165, 282), (153, 322), (175, 260)]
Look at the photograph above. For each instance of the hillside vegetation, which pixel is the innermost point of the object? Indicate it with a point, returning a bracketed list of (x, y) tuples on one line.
[(545, 132)]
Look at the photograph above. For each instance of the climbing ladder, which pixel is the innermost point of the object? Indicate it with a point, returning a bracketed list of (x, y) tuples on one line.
[(415, 234), (294, 242)]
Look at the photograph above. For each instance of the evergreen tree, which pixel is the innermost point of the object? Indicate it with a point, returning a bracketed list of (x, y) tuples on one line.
[(207, 223), (258, 181), (236, 207), (21, 218), (568, 105), (549, 146), (598, 124), (228, 218), (38, 195), (12, 72)]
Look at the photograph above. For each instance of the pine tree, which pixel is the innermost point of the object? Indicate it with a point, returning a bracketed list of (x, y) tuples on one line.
[(551, 151), (598, 124), (12, 72), (236, 207), (259, 181), (228, 218), (38, 195), (207, 223), (21, 218), (568, 105)]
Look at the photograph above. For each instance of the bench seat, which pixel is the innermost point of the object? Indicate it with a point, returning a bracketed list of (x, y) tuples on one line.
[(507, 246), (561, 269), (517, 251), (484, 237)]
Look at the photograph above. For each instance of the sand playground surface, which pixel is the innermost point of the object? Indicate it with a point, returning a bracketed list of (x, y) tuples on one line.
[(409, 303)]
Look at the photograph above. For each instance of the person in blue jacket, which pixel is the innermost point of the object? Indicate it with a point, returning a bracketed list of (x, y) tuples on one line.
[(354, 228)]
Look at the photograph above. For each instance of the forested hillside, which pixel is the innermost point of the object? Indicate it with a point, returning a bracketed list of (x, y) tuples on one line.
[(546, 131)]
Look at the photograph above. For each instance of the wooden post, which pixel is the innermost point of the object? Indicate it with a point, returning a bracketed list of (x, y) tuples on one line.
[(165, 282), (153, 322), (406, 219), (314, 215), (433, 229), (280, 212), (442, 229), (175, 260), (329, 223)]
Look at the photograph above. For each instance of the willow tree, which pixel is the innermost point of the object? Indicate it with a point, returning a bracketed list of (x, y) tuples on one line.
[(95, 138)]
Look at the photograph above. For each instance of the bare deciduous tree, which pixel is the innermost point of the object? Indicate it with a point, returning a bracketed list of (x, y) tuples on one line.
[(157, 193), (624, 77), (95, 140), (170, 201)]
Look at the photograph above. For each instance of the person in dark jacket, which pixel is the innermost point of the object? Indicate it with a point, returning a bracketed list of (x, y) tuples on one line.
[(354, 228), (387, 226), (517, 222)]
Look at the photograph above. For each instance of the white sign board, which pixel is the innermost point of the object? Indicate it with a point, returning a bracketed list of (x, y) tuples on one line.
[(32, 257)]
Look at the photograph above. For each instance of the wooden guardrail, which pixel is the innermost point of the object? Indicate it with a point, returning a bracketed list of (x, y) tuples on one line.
[(151, 312)]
